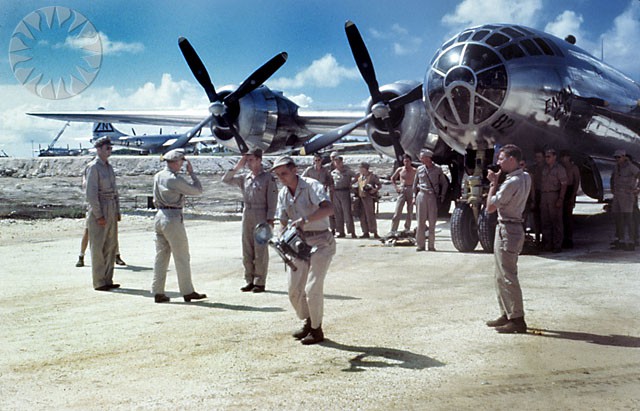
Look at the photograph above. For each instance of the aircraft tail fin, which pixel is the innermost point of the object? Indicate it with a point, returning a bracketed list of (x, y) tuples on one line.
[(105, 130)]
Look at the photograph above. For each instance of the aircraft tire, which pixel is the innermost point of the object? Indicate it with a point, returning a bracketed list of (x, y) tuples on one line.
[(487, 230), (464, 232)]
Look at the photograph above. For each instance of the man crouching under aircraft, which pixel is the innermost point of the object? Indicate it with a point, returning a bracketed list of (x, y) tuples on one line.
[(509, 200), (303, 202)]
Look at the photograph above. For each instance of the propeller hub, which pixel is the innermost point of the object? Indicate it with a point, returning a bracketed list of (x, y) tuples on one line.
[(381, 110), (217, 108)]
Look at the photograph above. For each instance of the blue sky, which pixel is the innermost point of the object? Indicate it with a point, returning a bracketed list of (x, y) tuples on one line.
[(142, 66)]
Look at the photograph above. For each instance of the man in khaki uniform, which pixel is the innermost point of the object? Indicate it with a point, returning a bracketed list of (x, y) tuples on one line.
[(625, 184), (260, 195), (323, 174), (304, 203), (429, 186), (536, 175), (102, 216), (169, 189), (553, 187), (510, 201), (368, 186), (406, 174), (343, 177), (569, 203)]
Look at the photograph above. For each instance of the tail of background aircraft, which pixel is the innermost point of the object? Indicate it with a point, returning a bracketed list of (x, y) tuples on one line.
[(106, 130)]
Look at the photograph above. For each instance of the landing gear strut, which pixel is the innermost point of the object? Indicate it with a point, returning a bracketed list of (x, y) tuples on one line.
[(469, 222)]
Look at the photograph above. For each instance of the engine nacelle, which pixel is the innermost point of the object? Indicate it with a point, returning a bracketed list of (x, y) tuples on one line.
[(411, 121), (265, 119)]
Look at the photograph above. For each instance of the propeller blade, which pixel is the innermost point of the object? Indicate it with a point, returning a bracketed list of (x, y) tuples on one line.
[(363, 60), (406, 98), (242, 146), (257, 78), (197, 68), (322, 140), (183, 140), (395, 140)]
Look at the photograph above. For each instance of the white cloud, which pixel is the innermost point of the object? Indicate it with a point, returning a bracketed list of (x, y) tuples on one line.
[(620, 42), (301, 100), (403, 42), (568, 22), (475, 12), (108, 46), (324, 72), (18, 130)]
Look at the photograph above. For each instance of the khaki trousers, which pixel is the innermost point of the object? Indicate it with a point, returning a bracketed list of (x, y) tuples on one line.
[(255, 257), (342, 207), (103, 242), (551, 216), (368, 216), (426, 209), (171, 239), (406, 196), (506, 248), (306, 284)]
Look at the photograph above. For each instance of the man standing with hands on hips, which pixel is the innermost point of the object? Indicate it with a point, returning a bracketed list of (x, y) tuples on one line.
[(169, 189), (102, 216), (260, 195), (510, 201), (303, 202)]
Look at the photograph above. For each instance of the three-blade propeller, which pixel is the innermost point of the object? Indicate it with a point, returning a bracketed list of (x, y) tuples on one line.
[(220, 107), (380, 108)]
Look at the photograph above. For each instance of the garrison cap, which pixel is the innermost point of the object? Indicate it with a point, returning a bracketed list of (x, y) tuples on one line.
[(426, 153), (102, 141), (282, 161), (173, 155), (255, 152)]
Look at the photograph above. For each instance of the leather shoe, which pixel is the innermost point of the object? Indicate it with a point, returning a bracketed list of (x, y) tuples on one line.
[(80, 262), (304, 331), (365, 235), (161, 298), (247, 287), (376, 236), (103, 288), (514, 326), (498, 322), (194, 296), (259, 289), (353, 235), (315, 336), (432, 249), (119, 260), (111, 286), (419, 249)]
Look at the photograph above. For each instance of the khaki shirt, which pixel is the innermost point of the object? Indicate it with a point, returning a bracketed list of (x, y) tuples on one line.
[(260, 191), (552, 178), (430, 180), (512, 196), (323, 175), (304, 202), (371, 179), (100, 186), (625, 178), (169, 188), (342, 180)]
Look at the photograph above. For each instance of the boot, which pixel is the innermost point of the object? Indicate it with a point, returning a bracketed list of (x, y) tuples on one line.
[(119, 260), (80, 262), (194, 296), (315, 336), (302, 332), (498, 322), (514, 326)]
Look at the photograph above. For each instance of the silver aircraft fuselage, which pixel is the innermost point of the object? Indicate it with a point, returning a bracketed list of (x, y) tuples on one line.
[(498, 84)]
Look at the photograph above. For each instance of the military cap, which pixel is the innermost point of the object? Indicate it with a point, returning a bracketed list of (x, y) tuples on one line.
[(102, 141), (173, 155), (426, 153), (282, 161), (255, 152)]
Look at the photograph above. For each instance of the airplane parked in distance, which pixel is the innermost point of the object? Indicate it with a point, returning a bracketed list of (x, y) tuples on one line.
[(52, 151), (487, 86)]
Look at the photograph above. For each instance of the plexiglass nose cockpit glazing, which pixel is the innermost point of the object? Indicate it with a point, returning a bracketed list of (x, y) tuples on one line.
[(466, 85)]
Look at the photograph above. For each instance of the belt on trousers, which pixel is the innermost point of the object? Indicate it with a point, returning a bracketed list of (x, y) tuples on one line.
[(314, 233), (169, 208)]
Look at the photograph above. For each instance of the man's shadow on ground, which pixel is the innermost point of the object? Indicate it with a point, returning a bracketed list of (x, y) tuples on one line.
[(612, 340), (177, 300), (381, 357)]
